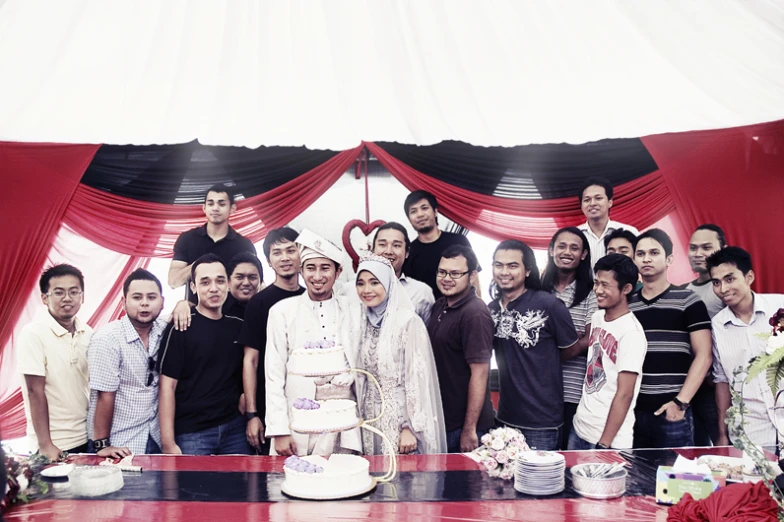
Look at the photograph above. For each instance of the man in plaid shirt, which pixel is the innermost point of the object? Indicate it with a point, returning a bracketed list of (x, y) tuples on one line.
[(122, 358)]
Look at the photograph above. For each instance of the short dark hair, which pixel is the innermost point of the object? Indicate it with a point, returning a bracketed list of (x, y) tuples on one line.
[(659, 236), (529, 260), (278, 235), (623, 268), (392, 225), (714, 228), (206, 259), (59, 270), (220, 187), (620, 233), (599, 182), (140, 274), (244, 257), (732, 255), (419, 195), (462, 250)]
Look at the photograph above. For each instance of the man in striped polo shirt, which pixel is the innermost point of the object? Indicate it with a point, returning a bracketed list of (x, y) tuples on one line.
[(677, 327)]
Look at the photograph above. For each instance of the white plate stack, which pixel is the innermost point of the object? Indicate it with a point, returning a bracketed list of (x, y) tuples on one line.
[(540, 473)]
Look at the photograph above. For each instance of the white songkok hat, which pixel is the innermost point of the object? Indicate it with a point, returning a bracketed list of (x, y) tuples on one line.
[(311, 245)]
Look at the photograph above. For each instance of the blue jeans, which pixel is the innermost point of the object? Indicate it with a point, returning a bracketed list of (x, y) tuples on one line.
[(578, 443), (453, 439), (545, 439), (226, 439), (655, 431), (152, 447)]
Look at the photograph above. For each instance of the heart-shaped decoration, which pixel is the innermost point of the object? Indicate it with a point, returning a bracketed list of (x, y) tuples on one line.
[(366, 229)]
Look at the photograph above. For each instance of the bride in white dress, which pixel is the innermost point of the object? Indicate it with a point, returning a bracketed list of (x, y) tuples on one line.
[(395, 348)]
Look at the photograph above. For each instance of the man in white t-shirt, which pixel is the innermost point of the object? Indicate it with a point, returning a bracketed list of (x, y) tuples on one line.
[(616, 351), (596, 200)]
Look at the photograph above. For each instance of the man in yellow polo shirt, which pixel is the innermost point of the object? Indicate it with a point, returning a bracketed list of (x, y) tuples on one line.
[(52, 358)]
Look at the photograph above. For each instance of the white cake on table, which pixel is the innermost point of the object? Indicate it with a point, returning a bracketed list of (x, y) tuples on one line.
[(319, 358), (315, 477), (309, 416)]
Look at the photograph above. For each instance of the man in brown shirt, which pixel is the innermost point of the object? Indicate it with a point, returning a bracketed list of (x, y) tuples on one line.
[(461, 332)]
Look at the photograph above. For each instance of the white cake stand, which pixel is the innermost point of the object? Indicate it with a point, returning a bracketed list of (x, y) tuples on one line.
[(363, 424)]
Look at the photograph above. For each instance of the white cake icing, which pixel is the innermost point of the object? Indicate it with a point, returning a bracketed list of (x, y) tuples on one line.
[(333, 414), (315, 361), (342, 476)]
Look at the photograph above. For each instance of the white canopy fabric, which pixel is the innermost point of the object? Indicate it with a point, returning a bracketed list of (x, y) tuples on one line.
[(327, 74)]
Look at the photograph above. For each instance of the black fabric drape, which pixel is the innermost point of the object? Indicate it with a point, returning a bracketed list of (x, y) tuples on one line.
[(182, 173), (527, 172)]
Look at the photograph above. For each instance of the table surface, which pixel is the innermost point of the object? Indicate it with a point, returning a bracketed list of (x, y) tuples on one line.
[(428, 487)]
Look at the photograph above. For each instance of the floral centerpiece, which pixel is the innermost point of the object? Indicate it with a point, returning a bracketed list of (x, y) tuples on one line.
[(499, 450), (772, 363), (24, 480)]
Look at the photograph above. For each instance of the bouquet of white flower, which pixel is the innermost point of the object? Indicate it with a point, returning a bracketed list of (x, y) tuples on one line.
[(499, 451)]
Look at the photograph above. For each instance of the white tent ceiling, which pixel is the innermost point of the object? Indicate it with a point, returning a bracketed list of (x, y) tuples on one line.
[(330, 73)]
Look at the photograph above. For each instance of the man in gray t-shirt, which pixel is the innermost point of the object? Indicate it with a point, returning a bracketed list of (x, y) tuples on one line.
[(705, 240)]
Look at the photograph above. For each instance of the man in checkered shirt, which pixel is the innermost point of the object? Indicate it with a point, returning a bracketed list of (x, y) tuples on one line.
[(122, 358)]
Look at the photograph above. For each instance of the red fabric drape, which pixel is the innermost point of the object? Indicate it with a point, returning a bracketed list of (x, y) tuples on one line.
[(641, 202), (734, 503), (140, 228), (734, 178), (40, 180)]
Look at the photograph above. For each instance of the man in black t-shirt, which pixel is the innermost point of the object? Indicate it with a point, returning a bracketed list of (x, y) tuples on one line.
[(214, 237), (283, 256), (245, 278), (424, 255), (201, 373)]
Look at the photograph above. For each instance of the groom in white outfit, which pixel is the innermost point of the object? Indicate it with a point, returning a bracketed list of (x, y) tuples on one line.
[(316, 315)]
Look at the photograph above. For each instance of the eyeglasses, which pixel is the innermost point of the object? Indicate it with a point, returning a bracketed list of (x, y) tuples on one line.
[(59, 294), (151, 363), (441, 274)]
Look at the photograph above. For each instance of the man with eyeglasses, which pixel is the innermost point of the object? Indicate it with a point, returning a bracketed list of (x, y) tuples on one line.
[(122, 355), (52, 357), (532, 326), (461, 332)]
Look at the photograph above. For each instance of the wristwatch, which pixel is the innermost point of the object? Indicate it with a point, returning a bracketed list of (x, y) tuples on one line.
[(680, 404), (101, 444), (600, 446), (250, 415)]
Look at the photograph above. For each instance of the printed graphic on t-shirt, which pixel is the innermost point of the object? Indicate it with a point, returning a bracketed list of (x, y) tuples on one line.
[(602, 343), (523, 328)]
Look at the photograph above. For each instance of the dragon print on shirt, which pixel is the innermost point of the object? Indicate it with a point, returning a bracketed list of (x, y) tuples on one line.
[(523, 328)]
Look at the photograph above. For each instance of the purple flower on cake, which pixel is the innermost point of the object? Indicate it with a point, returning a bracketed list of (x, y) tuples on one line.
[(306, 404), (302, 465), (319, 345)]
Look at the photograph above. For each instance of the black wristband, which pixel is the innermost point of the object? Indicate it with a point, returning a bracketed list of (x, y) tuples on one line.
[(680, 404), (101, 444), (251, 415), (599, 445)]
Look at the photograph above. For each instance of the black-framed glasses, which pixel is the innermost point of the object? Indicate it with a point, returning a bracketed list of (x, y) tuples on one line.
[(441, 274), (151, 363)]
